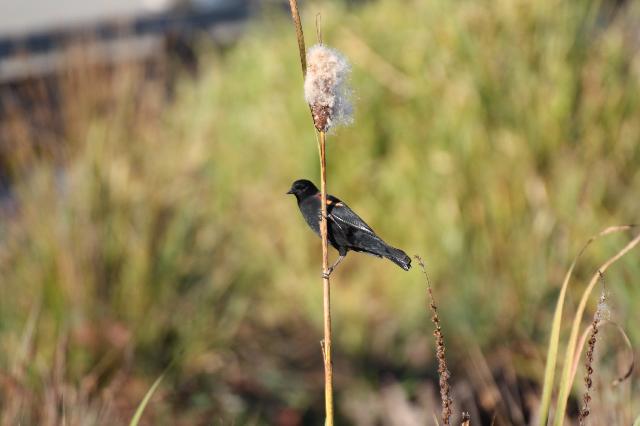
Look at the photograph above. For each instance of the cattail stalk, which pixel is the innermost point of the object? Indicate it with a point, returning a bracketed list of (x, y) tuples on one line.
[(326, 287), (297, 24), (326, 294)]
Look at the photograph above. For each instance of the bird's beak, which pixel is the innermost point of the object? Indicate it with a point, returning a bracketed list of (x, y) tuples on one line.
[(290, 191)]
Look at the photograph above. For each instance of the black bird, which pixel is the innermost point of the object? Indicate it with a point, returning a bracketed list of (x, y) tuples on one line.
[(346, 230)]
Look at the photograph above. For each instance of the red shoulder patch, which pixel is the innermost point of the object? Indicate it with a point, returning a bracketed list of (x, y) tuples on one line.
[(329, 201)]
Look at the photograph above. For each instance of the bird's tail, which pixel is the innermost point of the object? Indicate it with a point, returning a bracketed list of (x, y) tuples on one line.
[(398, 257)]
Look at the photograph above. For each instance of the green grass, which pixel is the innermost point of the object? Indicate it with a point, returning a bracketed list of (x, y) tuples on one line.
[(135, 421), (491, 138)]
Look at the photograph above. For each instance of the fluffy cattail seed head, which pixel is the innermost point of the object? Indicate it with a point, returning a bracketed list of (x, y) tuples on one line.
[(326, 87)]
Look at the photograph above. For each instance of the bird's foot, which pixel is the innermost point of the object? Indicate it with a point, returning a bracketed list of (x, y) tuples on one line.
[(326, 275)]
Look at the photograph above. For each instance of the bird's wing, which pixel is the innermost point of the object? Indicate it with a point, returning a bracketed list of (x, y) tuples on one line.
[(341, 213)]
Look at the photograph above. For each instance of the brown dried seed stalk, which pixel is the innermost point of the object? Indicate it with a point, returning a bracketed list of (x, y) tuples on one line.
[(443, 371), (588, 364)]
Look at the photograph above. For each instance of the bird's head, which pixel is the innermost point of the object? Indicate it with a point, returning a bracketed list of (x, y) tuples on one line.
[(303, 188)]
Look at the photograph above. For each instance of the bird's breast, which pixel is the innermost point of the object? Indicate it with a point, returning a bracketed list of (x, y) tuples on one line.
[(310, 209)]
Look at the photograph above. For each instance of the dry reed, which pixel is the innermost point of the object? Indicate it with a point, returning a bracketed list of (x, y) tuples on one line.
[(443, 371), (326, 293)]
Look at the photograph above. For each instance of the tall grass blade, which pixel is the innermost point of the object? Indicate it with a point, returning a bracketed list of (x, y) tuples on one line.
[(552, 351), (143, 404), (554, 339), (566, 380)]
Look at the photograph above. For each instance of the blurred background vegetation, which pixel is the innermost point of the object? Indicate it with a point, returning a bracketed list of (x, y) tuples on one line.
[(150, 226)]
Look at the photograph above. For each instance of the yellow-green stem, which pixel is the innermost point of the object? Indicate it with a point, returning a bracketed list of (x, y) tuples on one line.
[(554, 339), (566, 381), (326, 287)]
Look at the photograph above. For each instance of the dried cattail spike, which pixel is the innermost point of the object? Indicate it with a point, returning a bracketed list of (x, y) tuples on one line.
[(326, 89)]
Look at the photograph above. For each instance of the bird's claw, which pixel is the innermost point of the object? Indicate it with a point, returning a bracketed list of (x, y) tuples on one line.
[(326, 275)]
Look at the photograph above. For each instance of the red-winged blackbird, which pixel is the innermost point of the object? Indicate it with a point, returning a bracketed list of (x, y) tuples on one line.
[(346, 230)]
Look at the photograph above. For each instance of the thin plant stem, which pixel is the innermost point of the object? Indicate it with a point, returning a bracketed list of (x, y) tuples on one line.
[(566, 380), (627, 344), (443, 371), (299, 35), (326, 294), (554, 338), (326, 287), (588, 365)]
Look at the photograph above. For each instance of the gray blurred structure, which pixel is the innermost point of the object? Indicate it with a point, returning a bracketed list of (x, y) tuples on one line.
[(40, 39), (34, 33)]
